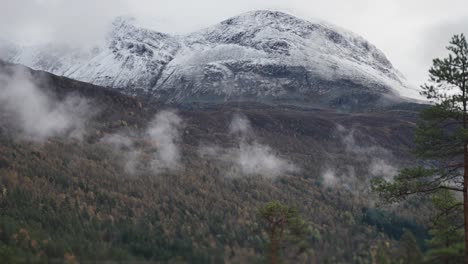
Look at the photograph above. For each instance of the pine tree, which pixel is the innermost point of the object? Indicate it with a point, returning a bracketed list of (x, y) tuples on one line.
[(409, 252), (446, 243), (442, 135), (283, 223)]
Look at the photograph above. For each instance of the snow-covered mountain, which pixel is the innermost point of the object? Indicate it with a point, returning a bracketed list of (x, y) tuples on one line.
[(132, 57), (257, 56)]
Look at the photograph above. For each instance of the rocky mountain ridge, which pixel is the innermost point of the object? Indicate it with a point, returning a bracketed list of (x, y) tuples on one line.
[(263, 56)]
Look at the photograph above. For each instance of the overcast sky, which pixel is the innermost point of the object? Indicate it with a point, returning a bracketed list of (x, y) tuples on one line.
[(409, 32)]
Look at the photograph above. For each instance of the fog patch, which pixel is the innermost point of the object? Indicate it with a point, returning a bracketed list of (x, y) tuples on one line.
[(165, 132), (157, 149), (367, 161), (379, 159), (329, 178), (125, 146), (248, 157), (344, 178), (38, 115), (348, 138), (240, 126), (381, 168)]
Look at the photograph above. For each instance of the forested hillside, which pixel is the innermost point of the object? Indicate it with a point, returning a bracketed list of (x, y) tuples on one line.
[(139, 181)]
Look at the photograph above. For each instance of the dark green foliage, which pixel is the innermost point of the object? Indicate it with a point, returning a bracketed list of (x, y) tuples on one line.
[(449, 73), (283, 224), (441, 139), (446, 243), (408, 181), (393, 225), (441, 135), (409, 252)]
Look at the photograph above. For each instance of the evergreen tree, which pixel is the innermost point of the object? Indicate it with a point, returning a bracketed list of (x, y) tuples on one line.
[(446, 243), (409, 252), (283, 223), (442, 135)]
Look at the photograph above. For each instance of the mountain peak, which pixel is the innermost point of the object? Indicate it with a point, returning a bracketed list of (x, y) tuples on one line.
[(263, 17), (263, 55), (266, 14), (263, 28)]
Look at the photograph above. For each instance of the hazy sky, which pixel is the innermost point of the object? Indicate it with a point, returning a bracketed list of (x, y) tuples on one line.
[(409, 32)]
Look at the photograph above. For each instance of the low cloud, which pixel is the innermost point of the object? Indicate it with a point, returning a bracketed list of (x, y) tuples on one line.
[(38, 115), (329, 178), (378, 158), (240, 126), (248, 157), (382, 168), (126, 146), (165, 131), (75, 23), (260, 159), (375, 162), (348, 138), (160, 150), (344, 177)]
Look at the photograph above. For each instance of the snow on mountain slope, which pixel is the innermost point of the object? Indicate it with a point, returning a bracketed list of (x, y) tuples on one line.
[(261, 55), (131, 57), (271, 48)]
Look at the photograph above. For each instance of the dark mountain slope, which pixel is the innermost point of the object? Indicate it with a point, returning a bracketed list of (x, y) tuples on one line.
[(65, 198)]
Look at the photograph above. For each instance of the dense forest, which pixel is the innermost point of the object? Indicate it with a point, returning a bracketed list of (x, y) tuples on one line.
[(88, 174), (74, 199)]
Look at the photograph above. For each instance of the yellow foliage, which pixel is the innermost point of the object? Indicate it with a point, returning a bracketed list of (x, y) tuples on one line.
[(70, 258)]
